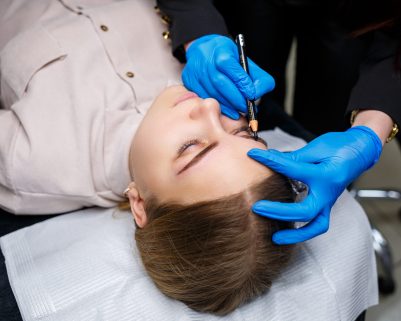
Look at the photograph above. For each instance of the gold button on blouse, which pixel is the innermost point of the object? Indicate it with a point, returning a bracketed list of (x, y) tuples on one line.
[(166, 35), (166, 19), (130, 74), (104, 28)]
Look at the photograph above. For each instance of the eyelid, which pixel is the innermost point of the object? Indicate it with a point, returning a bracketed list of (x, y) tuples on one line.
[(187, 144), (196, 141)]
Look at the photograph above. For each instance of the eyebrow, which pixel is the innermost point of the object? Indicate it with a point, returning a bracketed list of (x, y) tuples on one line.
[(198, 157), (244, 128)]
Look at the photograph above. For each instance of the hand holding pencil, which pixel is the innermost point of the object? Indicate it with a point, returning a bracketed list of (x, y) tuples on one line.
[(213, 70)]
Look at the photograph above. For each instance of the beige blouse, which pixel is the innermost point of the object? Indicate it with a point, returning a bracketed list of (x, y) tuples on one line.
[(76, 79)]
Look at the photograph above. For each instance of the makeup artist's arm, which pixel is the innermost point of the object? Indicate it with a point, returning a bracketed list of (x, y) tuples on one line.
[(379, 83), (190, 20)]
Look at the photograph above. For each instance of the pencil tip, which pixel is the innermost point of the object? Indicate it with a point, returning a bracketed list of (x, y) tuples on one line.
[(254, 125)]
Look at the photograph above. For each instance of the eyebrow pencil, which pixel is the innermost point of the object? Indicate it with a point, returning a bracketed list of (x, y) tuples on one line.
[(253, 122)]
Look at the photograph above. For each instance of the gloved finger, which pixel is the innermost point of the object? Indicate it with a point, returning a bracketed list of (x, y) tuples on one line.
[(196, 87), (318, 226), (229, 112), (262, 80), (283, 163), (227, 90), (218, 84), (304, 211), (231, 67), (201, 92), (306, 154)]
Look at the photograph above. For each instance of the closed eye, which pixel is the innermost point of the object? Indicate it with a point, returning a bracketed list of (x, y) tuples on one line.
[(244, 129), (186, 145), (198, 157)]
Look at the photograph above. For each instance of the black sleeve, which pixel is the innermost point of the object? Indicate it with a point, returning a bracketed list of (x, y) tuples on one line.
[(379, 83), (191, 19)]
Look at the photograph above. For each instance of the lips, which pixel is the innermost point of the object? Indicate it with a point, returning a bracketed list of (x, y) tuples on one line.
[(186, 96)]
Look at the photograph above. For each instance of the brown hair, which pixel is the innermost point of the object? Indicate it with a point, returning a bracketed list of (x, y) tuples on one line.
[(215, 255)]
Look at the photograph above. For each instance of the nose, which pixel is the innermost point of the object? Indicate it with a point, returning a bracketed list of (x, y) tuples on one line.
[(208, 109)]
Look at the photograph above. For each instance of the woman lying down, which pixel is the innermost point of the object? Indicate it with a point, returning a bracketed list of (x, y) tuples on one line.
[(191, 196), (78, 131), (191, 192)]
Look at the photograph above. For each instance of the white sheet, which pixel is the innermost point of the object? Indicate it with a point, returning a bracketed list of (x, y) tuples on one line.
[(84, 266)]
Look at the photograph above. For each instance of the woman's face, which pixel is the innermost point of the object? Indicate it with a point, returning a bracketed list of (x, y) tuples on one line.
[(186, 151)]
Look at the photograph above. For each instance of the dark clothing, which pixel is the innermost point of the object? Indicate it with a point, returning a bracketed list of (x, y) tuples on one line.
[(379, 83), (330, 64), (191, 20), (326, 59)]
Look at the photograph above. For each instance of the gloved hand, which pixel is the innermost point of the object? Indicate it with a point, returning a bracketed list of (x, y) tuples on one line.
[(328, 164), (213, 70)]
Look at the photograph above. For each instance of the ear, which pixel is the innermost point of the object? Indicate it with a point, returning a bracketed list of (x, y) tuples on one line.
[(137, 206)]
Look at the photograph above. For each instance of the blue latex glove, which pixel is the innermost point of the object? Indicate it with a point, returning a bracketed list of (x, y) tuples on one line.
[(328, 164), (213, 70)]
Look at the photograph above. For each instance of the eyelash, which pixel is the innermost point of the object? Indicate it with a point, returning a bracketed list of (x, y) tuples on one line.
[(188, 144), (193, 142)]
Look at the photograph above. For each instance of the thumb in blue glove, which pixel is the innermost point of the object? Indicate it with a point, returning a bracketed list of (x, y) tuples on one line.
[(328, 164), (213, 70)]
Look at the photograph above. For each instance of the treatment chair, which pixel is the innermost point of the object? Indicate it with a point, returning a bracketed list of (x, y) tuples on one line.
[(381, 245)]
